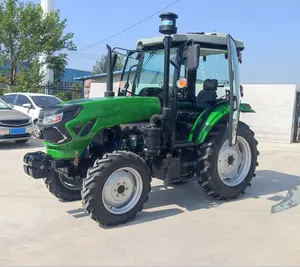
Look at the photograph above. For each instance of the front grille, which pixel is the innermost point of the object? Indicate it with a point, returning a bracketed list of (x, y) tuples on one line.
[(15, 123), (52, 135)]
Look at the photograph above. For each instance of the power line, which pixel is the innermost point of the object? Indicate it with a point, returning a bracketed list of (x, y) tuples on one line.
[(139, 22)]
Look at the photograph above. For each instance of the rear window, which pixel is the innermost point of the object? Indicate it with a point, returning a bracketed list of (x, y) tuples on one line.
[(45, 101)]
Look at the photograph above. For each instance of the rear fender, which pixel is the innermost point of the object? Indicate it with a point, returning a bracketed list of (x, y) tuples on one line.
[(209, 118)]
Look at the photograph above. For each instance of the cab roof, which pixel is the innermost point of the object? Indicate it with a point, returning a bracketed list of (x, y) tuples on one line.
[(213, 38)]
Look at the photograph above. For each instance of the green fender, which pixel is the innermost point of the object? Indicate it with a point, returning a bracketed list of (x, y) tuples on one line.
[(215, 115)]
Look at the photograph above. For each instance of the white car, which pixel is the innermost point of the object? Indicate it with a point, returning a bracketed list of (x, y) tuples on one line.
[(30, 104)]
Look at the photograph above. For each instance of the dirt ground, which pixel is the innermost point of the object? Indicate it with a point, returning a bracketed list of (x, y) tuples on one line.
[(179, 225)]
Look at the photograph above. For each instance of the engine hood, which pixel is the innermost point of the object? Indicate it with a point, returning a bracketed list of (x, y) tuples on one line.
[(94, 114), (116, 109), (12, 114)]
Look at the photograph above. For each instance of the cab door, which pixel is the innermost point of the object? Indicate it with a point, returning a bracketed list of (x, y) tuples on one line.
[(234, 95)]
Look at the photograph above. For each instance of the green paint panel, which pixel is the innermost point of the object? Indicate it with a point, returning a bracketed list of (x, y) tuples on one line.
[(108, 112), (218, 113)]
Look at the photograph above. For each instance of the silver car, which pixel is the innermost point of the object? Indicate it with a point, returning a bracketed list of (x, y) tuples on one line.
[(14, 125)]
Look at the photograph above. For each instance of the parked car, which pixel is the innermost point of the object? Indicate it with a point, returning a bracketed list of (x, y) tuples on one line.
[(30, 104), (14, 125)]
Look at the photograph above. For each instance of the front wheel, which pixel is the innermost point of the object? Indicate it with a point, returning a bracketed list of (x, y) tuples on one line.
[(116, 188), (36, 131), (64, 188), (227, 171)]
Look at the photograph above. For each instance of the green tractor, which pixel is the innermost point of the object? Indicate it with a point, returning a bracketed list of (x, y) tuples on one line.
[(176, 118)]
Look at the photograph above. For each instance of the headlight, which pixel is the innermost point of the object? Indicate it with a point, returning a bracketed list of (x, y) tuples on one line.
[(52, 119)]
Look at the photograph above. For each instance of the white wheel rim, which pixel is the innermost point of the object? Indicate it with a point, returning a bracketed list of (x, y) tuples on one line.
[(234, 162), (122, 190)]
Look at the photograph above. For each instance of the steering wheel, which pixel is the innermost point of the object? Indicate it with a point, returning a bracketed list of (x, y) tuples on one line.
[(124, 92), (150, 91)]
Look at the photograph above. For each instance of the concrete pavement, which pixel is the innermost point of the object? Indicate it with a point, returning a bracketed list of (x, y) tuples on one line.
[(179, 225)]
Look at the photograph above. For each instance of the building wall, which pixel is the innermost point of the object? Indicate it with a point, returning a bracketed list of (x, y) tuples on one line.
[(102, 79), (274, 105), (69, 75)]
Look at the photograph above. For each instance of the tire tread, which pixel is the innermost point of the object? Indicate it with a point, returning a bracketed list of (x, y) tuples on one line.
[(206, 161)]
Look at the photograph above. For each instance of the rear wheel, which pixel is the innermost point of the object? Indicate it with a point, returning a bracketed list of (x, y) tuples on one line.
[(116, 188), (227, 171), (66, 189)]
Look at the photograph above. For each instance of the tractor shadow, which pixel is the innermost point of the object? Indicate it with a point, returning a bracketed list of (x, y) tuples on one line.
[(167, 201)]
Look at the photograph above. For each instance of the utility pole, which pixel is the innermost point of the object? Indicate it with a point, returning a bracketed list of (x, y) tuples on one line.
[(47, 6)]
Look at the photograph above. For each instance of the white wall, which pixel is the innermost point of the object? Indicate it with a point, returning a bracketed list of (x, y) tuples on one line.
[(98, 89), (274, 106)]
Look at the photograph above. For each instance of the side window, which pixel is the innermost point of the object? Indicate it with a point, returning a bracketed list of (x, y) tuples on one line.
[(9, 99), (22, 100)]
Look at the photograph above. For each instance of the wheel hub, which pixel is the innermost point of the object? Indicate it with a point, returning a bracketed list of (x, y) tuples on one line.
[(234, 162), (122, 189), (231, 160)]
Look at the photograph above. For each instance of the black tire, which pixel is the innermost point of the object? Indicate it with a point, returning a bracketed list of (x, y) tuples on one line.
[(59, 190), (36, 133), (210, 180), (22, 141), (95, 181)]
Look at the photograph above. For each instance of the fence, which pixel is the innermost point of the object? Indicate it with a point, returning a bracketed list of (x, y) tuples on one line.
[(62, 92)]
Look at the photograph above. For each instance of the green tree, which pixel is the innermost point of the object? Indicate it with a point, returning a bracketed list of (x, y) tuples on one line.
[(29, 77), (100, 65), (58, 64), (25, 34)]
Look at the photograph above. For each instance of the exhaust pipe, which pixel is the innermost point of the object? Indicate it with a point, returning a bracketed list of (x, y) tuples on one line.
[(109, 73)]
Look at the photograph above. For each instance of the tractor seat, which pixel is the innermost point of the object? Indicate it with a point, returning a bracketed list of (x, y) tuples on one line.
[(208, 96)]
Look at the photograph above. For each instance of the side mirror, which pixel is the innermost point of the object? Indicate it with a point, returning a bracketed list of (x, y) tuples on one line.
[(27, 105), (192, 55)]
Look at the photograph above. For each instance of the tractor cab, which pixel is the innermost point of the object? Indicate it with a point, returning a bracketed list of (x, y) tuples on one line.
[(200, 72), (148, 63)]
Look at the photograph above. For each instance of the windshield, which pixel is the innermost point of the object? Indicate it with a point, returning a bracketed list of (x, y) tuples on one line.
[(45, 101), (213, 65), (151, 73), (3, 105)]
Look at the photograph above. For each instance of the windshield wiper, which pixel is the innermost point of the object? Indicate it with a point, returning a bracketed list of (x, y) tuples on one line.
[(150, 56)]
